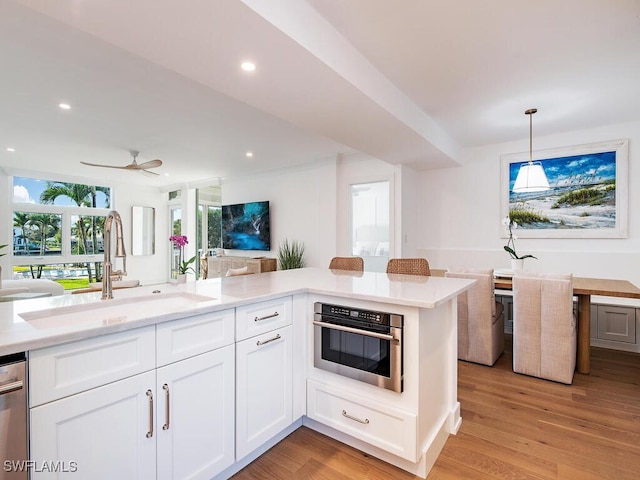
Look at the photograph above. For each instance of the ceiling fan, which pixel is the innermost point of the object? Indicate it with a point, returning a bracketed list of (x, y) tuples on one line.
[(143, 167)]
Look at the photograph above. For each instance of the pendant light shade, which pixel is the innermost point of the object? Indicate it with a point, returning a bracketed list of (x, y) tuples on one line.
[(531, 176)]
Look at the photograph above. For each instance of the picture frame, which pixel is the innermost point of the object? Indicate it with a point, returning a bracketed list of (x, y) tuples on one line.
[(587, 198)]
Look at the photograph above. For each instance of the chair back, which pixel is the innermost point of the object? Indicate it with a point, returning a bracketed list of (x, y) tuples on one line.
[(544, 326), (408, 266), (480, 318), (355, 264)]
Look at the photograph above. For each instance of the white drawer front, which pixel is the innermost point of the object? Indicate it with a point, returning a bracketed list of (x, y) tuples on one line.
[(385, 427), (191, 336), (62, 370), (262, 317)]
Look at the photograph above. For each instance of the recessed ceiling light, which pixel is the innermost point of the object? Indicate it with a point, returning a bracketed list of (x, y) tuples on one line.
[(249, 154), (64, 106), (248, 66), (11, 149)]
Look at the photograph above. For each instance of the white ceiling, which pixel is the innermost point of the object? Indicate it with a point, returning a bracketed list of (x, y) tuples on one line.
[(407, 81)]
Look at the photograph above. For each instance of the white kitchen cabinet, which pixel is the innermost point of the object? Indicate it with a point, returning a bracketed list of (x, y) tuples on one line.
[(70, 368), (392, 429), (104, 433), (191, 336), (262, 317), (195, 421), (264, 388), (176, 420)]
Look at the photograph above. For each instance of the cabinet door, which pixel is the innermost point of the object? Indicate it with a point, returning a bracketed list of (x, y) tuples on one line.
[(196, 416), (263, 388), (103, 433), (617, 323)]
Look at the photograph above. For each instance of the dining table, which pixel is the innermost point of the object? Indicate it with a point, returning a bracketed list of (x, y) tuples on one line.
[(583, 289)]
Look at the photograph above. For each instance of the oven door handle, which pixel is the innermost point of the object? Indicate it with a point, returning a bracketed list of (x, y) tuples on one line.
[(357, 331)]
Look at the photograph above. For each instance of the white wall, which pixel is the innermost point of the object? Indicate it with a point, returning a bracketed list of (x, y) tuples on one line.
[(149, 269), (302, 203), (460, 214)]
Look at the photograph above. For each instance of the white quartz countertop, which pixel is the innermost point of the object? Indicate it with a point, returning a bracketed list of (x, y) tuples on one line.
[(37, 323)]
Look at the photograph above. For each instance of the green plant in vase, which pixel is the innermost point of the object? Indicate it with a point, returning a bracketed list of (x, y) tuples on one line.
[(516, 260), (291, 255)]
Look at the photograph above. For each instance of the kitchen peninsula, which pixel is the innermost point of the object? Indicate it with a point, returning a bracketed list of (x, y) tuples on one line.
[(204, 377)]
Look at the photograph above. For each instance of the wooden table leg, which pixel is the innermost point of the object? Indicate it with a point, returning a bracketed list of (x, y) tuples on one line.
[(584, 333)]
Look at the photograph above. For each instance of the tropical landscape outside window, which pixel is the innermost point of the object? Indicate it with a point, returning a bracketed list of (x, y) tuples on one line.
[(208, 221), (58, 230)]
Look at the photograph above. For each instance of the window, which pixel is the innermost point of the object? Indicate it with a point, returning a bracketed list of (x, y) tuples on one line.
[(370, 219), (58, 223)]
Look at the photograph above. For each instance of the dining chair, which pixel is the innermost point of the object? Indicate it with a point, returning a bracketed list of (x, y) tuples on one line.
[(544, 326), (408, 266), (355, 264), (480, 318)]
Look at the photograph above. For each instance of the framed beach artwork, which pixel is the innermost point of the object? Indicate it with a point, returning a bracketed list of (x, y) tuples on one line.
[(587, 195)]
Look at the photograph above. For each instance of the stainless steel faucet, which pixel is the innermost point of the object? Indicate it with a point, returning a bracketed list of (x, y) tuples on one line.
[(109, 273)]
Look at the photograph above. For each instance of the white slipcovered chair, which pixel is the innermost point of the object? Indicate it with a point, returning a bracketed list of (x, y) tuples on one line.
[(544, 326), (480, 318)]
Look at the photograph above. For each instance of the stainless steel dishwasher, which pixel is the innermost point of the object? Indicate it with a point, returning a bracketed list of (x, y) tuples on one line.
[(13, 417)]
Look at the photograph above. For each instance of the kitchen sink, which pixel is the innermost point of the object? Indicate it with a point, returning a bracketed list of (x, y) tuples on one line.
[(117, 310)]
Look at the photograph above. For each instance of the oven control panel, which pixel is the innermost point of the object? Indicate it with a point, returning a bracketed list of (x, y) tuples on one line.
[(370, 316)]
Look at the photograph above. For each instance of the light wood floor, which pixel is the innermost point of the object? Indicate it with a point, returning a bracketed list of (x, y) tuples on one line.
[(513, 427)]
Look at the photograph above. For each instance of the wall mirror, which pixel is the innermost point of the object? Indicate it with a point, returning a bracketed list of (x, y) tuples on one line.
[(143, 230)]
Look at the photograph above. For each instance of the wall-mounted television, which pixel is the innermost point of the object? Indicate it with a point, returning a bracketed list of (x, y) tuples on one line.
[(245, 226)]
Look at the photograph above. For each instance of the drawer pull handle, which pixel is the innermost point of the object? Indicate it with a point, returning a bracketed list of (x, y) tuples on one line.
[(165, 387), (11, 387), (266, 317), (150, 396), (277, 337), (359, 420)]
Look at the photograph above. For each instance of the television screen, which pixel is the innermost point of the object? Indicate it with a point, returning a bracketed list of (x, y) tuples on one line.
[(245, 226)]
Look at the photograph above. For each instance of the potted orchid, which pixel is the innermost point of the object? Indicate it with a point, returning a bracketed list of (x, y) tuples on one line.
[(517, 261), (182, 265)]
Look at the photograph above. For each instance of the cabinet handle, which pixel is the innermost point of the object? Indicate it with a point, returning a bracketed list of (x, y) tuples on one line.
[(266, 317), (277, 337), (11, 387), (165, 387), (150, 396), (359, 420)]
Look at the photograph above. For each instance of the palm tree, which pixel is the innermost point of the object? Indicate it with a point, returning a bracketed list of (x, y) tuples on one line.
[(20, 220), (46, 225), (83, 196)]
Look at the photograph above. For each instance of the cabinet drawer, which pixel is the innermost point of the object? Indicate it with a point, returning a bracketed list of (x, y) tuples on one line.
[(66, 369), (262, 317), (191, 336), (385, 427)]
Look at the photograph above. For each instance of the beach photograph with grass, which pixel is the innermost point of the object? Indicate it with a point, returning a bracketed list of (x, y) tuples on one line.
[(582, 194)]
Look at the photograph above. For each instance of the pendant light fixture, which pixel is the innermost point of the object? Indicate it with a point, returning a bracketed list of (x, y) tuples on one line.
[(531, 176)]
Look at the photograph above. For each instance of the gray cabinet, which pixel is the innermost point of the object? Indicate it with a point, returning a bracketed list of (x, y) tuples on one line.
[(613, 323), (507, 303)]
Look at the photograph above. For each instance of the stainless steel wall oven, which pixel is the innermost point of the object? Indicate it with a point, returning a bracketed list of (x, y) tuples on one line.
[(362, 344)]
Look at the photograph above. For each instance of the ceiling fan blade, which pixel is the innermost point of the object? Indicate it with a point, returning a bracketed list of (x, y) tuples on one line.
[(150, 164), (149, 173), (100, 165)]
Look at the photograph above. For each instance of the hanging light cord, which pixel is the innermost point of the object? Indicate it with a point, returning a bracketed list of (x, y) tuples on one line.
[(530, 112)]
